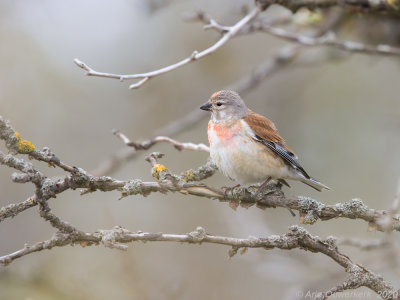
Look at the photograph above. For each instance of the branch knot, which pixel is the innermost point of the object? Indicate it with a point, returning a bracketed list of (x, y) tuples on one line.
[(198, 235)]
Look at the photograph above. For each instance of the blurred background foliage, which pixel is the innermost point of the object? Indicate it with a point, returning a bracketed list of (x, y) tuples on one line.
[(341, 116)]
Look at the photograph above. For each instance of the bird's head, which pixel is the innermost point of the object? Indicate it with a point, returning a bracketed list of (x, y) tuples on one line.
[(225, 105)]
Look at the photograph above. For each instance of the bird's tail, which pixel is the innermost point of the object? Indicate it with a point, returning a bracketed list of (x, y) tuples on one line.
[(314, 184)]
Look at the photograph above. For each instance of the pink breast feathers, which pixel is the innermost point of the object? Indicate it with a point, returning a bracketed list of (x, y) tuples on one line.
[(223, 133)]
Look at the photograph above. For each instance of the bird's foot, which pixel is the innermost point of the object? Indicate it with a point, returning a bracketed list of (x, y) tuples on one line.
[(283, 182), (262, 187)]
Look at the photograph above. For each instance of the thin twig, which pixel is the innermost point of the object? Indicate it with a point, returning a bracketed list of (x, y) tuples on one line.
[(230, 32), (244, 85), (363, 244), (159, 139)]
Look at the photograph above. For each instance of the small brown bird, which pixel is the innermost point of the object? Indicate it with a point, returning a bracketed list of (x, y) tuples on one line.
[(246, 146)]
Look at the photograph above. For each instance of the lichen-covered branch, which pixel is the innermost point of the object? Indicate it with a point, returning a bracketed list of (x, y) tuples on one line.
[(392, 6), (15, 145), (187, 183), (309, 209), (327, 39), (331, 41), (296, 238), (11, 210)]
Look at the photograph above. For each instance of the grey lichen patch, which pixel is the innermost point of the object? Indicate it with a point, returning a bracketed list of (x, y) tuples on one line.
[(133, 187), (358, 276), (48, 155), (78, 178), (235, 193), (254, 241), (48, 189), (310, 209), (307, 203), (254, 193), (16, 163), (272, 240), (21, 177), (298, 232), (310, 218), (198, 235), (201, 173), (332, 241), (354, 206), (109, 238)]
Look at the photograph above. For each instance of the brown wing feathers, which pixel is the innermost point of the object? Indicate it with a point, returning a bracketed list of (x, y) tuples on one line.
[(265, 129), (266, 133)]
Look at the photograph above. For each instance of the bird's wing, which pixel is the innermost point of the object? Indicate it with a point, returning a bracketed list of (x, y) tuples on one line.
[(265, 132)]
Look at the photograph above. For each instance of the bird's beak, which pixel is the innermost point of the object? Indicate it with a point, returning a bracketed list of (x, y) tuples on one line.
[(206, 106)]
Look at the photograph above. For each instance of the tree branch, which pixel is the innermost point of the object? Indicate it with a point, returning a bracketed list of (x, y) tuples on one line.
[(359, 5), (244, 85), (309, 209), (145, 145), (230, 32), (296, 238), (331, 41), (364, 244), (328, 39)]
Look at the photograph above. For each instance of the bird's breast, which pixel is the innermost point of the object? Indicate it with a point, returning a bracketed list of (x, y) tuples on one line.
[(239, 156), (220, 133)]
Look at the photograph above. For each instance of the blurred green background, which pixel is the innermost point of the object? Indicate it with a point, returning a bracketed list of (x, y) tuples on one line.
[(342, 118)]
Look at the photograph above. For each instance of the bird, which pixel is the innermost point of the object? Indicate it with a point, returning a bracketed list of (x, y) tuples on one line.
[(246, 146)]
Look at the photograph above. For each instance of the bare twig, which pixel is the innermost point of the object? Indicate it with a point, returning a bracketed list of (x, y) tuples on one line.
[(229, 33), (149, 143), (364, 244), (288, 55), (283, 57)]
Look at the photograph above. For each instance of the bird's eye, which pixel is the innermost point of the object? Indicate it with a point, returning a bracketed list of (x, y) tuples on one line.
[(219, 103)]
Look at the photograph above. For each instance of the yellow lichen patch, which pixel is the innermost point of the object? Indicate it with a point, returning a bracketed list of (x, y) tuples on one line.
[(189, 176), (395, 4), (24, 146), (157, 169), (315, 18)]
